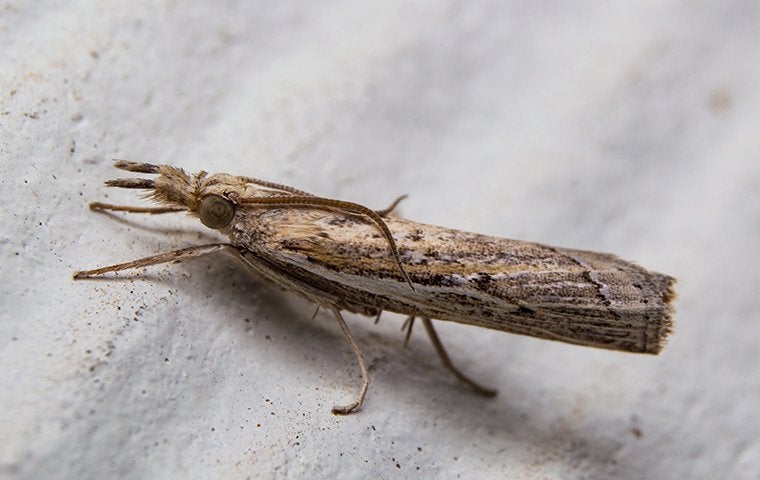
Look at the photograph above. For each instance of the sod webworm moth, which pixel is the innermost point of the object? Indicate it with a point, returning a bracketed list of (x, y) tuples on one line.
[(343, 256)]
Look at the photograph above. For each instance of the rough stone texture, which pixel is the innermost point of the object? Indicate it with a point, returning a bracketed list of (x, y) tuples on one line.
[(623, 127)]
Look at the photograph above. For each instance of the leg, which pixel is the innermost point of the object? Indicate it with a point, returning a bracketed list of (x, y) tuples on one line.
[(174, 256), (384, 212), (438, 346), (127, 208), (345, 409), (408, 325)]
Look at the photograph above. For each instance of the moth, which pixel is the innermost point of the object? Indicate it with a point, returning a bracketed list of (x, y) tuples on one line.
[(343, 256)]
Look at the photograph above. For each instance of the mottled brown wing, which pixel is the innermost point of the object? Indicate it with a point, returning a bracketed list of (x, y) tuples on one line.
[(574, 296)]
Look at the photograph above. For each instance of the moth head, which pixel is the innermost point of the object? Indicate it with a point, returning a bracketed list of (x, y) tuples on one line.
[(212, 198)]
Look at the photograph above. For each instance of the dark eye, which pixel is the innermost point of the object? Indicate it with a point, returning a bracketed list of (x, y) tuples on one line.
[(215, 211)]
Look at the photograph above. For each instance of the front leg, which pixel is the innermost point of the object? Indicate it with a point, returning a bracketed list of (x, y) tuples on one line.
[(173, 256)]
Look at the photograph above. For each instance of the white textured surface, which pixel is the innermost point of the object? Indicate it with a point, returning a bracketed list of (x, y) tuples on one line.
[(626, 127)]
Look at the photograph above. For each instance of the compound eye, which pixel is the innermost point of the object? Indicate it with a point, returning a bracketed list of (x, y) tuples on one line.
[(215, 211)]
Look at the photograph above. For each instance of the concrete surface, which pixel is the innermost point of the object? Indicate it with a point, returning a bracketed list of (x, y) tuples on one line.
[(624, 127)]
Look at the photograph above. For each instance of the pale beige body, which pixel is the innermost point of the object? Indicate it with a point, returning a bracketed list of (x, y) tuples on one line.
[(344, 256)]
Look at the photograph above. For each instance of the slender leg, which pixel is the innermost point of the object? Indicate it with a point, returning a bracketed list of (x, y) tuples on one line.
[(384, 212), (345, 409), (408, 325), (174, 256), (127, 208), (438, 346)]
